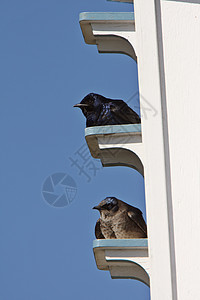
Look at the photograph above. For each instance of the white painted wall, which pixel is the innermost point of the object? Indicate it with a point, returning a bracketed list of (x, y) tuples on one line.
[(168, 34), (181, 43), (154, 146)]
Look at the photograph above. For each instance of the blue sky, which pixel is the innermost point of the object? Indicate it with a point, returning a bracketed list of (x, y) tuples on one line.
[(45, 68)]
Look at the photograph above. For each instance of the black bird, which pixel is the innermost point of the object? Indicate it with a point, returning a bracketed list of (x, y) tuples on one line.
[(100, 110), (119, 220)]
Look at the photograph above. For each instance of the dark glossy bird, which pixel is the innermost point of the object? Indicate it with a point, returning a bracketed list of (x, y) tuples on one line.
[(119, 220), (100, 110)]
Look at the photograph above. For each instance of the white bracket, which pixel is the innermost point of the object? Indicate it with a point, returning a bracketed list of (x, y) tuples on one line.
[(111, 32), (127, 258), (117, 145)]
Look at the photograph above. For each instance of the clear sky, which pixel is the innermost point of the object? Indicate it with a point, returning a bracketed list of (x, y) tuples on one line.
[(45, 68)]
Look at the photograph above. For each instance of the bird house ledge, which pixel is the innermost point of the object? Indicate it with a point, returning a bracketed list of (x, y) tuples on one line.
[(112, 32), (127, 258), (117, 145)]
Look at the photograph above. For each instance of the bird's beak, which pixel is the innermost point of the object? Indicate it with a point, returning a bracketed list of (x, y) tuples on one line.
[(80, 105), (96, 207)]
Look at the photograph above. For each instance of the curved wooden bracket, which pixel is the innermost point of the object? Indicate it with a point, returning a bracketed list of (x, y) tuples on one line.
[(117, 145), (126, 258), (111, 32)]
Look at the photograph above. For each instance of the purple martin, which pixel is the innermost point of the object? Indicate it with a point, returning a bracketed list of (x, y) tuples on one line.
[(119, 220), (100, 110)]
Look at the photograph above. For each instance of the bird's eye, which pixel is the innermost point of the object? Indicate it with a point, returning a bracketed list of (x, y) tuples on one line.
[(110, 206), (107, 206)]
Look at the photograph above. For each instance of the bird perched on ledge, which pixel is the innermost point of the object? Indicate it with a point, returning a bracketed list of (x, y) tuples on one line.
[(100, 110), (119, 220)]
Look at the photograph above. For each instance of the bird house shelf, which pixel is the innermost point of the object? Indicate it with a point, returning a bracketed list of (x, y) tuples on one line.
[(112, 32), (126, 258), (117, 145)]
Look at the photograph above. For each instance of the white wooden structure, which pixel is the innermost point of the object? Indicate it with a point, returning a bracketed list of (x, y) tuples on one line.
[(164, 37)]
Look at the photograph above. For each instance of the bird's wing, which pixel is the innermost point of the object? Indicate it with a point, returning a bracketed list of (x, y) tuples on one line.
[(137, 218), (98, 232), (123, 112)]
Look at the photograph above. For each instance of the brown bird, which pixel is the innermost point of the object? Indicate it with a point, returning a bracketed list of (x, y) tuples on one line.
[(119, 220)]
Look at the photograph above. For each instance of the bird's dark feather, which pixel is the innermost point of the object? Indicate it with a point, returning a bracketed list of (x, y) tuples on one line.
[(138, 220), (104, 111), (98, 232)]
